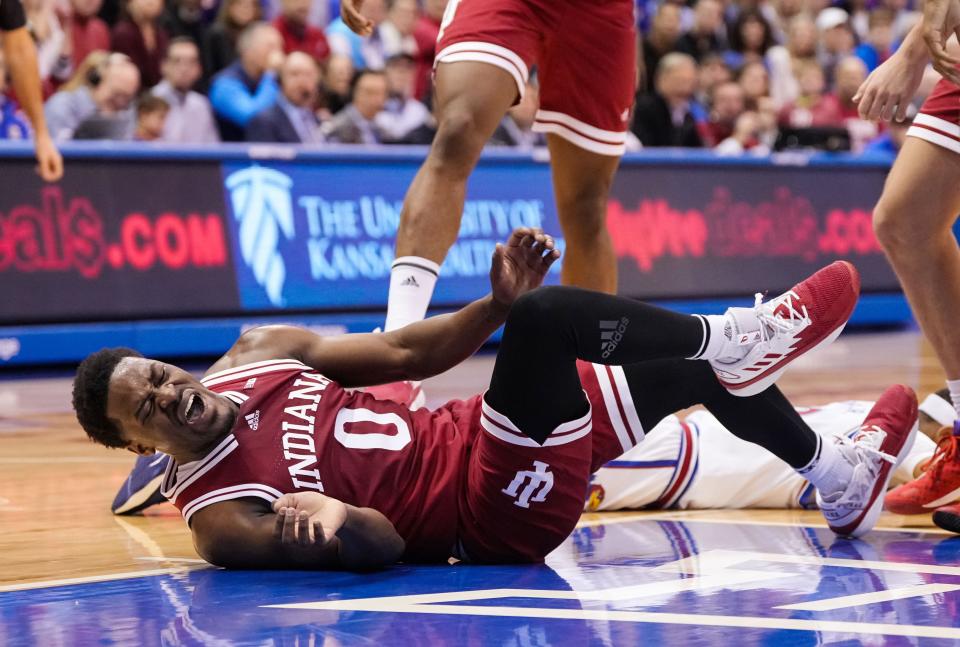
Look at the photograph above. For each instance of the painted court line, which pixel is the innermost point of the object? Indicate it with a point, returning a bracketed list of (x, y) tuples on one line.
[(399, 604), (92, 579), (871, 598)]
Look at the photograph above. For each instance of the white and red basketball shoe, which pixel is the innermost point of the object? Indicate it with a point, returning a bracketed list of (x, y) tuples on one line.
[(408, 393), (810, 315), (884, 439), (939, 485)]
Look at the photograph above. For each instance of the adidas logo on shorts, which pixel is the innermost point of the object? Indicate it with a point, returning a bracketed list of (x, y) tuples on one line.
[(250, 383), (253, 420)]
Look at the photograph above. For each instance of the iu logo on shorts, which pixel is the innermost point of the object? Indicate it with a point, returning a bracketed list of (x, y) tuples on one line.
[(536, 484)]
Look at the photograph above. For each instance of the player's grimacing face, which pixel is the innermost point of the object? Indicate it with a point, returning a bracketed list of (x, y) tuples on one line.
[(162, 407)]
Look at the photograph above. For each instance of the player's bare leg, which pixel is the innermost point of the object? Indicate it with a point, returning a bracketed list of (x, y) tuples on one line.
[(471, 101), (581, 184), (913, 221)]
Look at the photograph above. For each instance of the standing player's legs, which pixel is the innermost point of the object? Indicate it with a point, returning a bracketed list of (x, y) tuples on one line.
[(587, 83), (472, 98), (581, 184), (913, 221)]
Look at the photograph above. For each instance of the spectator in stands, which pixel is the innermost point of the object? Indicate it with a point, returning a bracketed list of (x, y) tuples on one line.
[(87, 32), (404, 120), (745, 137), (851, 73), (782, 60), (665, 117), (814, 108), (516, 128), (708, 34), (140, 36), (335, 93), (111, 89), (152, 112), (299, 35), (725, 108), (292, 119), (397, 30), (190, 118), (836, 39), (367, 53), (785, 11), (878, 44), (713, 72), (426, 33), (755, 81), (356, 124), (750, 39), (13, 125), (219, 47), (661, 40), (184, 18), (248, 85), (53, 44)]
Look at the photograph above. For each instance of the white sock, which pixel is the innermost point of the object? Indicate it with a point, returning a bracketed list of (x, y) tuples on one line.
[(954, 386), (829, 471), (412, 280), (722, 334)]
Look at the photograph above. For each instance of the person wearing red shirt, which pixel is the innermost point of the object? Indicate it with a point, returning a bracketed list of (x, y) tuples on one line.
[(298, 34), (87, 32), (814, 108), (425, 33), (141, 37)]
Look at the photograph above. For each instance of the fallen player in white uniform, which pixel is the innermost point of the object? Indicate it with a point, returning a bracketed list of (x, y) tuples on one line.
[(696, 464)]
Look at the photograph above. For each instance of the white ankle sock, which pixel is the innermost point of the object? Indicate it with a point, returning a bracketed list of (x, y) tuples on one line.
[(720, 335), (829, 471), (954, 386), (412, 280)]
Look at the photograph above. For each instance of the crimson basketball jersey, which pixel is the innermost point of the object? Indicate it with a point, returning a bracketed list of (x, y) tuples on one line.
[(298, 431)]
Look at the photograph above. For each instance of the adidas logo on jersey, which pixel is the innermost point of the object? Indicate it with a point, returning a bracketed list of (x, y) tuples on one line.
[(611, 332), (411, 281), (250, 383), (253, 420)]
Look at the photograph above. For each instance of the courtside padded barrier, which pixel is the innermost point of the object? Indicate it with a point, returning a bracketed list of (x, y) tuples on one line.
[(175, 250)]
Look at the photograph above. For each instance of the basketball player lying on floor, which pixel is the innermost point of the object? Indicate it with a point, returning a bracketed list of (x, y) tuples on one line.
[(276, 465)]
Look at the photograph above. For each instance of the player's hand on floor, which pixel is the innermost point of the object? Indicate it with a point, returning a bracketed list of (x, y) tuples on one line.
[(521, 264), (307, 519), (356, 21), (890, 88)]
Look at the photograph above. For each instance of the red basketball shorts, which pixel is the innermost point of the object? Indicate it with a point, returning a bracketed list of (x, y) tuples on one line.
[(938, 121), (584, 50)]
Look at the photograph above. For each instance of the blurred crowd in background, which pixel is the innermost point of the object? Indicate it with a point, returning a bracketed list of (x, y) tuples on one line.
[(737, 76)]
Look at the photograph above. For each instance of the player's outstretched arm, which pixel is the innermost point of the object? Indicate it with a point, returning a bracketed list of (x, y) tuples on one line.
[(417, 351), (303, 530), (21, 56), (890, 88)]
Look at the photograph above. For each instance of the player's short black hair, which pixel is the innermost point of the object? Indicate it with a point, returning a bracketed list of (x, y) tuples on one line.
[(90, 394)]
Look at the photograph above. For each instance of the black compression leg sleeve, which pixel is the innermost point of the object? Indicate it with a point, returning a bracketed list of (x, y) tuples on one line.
[(535, 381), (768, 419)]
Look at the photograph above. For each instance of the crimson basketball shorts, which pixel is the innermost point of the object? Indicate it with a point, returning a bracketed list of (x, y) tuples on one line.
[(584, 50), (521, 500), (938, 121)]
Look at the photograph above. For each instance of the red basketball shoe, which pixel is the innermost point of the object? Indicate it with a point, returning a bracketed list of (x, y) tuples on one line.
[(939, 485), (409, 394), (810, 315), (884, 439), (948, 517)]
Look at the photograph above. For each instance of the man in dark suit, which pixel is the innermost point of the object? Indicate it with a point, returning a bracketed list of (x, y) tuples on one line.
[(664, 117), (292, 119)]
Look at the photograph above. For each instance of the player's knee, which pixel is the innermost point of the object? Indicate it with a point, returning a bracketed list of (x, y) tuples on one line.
[(538, 309), (457, 143), (897, 229)]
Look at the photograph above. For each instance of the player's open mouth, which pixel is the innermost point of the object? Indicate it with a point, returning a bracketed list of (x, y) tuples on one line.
[(194, 408)]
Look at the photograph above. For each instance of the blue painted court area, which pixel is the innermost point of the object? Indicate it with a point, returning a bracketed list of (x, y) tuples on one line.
[(626, 582)]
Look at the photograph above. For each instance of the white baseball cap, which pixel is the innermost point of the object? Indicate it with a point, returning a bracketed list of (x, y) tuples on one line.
[(832, 17)]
